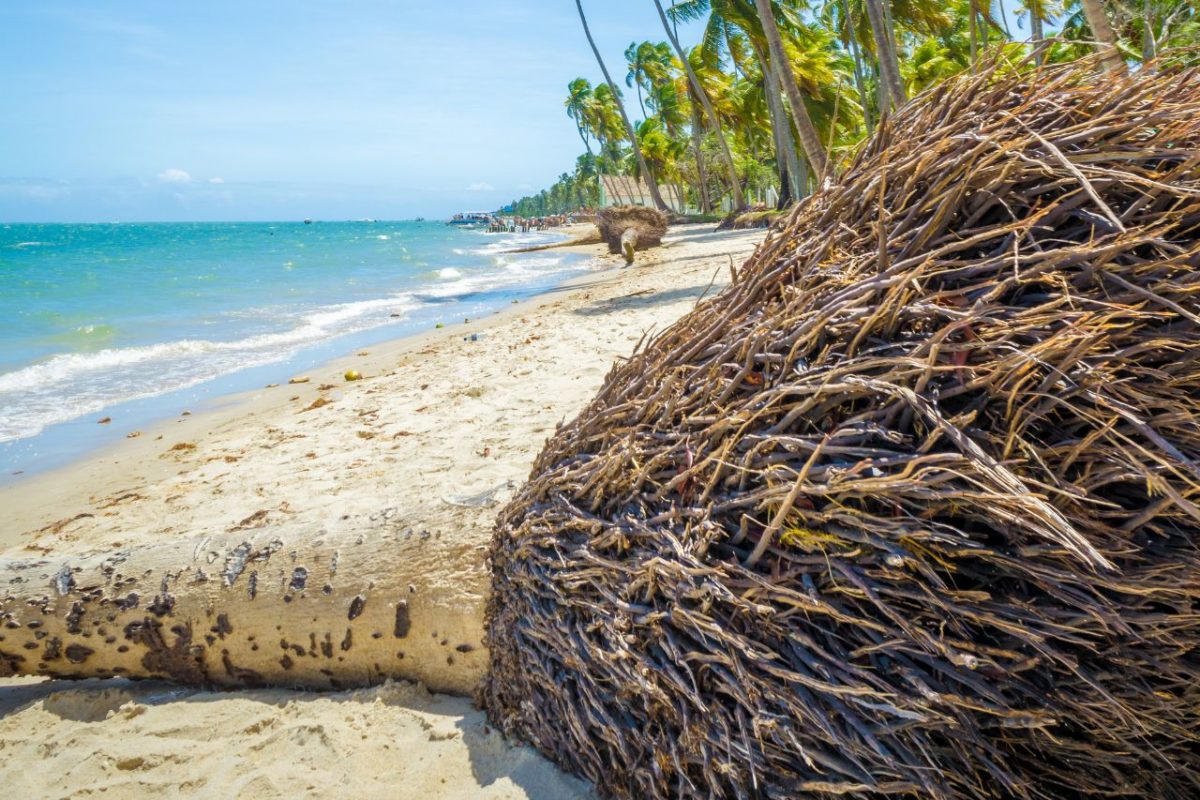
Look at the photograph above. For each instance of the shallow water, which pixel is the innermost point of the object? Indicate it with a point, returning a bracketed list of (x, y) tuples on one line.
[(138, 318)]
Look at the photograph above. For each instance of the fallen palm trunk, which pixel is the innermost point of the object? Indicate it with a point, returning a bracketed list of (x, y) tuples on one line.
[(913, 507), (319, 612), (627, 229)]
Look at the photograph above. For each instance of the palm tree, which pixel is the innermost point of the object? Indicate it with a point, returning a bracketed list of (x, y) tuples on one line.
[(1039, 12), (638, 57), (699, 94), (579, 102), (1106, 39), (1149, 47), (809, 139), (734, 26), (848, 38), (885, 48), (655, 195)]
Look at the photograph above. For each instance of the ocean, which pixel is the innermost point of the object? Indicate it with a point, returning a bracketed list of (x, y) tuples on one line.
[(132, 321)]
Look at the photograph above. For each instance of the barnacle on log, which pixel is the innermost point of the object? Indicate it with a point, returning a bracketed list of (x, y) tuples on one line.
[(912, 507)]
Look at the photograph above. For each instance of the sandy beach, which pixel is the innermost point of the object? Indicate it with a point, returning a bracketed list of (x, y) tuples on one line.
[(434, 439)]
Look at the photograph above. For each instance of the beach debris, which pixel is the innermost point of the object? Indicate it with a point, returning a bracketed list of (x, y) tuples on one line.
[(439, 325), (318, 403), (353, 375), (253, 606), (104, 420), (910, 508), (304, 379), (133, 434), (627, 229), (757, 216)]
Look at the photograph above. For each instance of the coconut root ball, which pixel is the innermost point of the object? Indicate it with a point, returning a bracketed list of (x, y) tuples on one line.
[(912, 507), (649, 225)]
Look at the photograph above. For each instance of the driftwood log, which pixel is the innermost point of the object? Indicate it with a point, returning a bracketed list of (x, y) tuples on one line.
[(321, 612), (627, 229), (912, 508)]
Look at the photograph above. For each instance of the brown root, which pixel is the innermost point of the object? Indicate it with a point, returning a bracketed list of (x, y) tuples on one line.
[(630, 228), (912, 507)]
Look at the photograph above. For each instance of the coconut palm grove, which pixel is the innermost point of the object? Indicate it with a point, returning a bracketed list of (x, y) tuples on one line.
[(777, 92)]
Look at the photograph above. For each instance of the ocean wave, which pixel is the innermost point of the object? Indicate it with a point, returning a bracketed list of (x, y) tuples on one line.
[(96, 366), (69, 385)]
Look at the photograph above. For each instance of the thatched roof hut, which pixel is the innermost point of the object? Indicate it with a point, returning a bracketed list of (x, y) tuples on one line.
[(913, 507)]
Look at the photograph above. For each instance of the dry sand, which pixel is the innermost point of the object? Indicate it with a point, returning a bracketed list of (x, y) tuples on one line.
[(433, 440)]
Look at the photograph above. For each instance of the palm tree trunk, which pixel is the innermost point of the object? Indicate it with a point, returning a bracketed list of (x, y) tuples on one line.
[(810, 140), (1106, 39), (889, 62), (586, 142), (726, 156), (986, 12), (860, 82), (239, 610), (655, 195), (1039, 37), (1149, 46), (701, 172), (973, 26), (781, 129)]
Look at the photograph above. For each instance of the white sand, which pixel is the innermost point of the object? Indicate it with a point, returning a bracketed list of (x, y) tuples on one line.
[(438, 424)]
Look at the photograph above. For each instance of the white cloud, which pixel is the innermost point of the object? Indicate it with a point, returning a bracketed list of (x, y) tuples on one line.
[(482, 186), (174, 175), (216, 180)]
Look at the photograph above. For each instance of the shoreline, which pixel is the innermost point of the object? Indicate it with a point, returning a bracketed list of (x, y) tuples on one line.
[(433, 441), (68, 442), (26, 497)]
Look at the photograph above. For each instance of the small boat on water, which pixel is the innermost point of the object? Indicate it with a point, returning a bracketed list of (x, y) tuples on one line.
[(471, 219)]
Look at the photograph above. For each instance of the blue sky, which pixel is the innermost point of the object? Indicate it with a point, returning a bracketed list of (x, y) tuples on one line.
[(260, 109)]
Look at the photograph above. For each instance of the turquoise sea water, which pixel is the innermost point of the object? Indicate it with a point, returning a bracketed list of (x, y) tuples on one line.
[(138, 318)]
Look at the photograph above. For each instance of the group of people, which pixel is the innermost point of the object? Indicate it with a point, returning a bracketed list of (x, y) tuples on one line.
[(527, 224)]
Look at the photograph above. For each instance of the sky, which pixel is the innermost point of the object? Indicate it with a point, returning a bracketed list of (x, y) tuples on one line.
[(145, 110)]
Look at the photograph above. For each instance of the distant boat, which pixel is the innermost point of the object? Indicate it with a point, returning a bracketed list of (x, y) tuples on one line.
[(420, 219), (470, 219), (308, 222)]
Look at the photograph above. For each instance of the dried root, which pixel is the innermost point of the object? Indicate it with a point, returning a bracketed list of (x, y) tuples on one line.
[(912, 507)]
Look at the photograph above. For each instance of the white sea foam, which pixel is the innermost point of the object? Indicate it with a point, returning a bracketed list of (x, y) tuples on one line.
[(69, 385), (449, 272)]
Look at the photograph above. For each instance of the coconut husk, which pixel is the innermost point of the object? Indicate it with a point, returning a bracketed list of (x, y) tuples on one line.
[(912, 508), (649, 223)]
